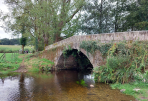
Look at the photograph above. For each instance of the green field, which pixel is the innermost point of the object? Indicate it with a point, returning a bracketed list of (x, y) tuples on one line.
[(12, 48), (11, 63), (9, 56)]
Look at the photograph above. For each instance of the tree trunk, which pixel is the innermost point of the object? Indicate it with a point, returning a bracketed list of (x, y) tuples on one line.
[(22, 49), (56, 38), (46, 40)]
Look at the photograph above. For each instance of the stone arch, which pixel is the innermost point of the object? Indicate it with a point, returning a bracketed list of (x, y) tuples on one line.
[(95, 59), (72, 62), (54, 55), (59, 53)]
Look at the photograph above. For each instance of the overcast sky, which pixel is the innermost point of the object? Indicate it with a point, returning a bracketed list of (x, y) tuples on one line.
[(4, 8)]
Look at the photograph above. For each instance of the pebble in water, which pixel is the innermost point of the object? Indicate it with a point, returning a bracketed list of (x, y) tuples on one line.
[(91, 85)]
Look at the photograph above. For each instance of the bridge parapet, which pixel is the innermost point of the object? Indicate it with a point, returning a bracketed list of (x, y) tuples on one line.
[(103, 38)]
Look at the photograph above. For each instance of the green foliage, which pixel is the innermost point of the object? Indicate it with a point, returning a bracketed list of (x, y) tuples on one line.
[(137, 20), (47, 61), (6, 41), (129, 89), (69, 47), (115, 70), (23, 41), (96, 73), (114, 16), (92, 46), (94, 21), (141, 77), (66, 52), (43, 13), (34, 69), (43, 65), (81, 82), (41, 47), (46, 68), (124, 60), (89, 46), (103, 48), (96, 69), (11, 64)]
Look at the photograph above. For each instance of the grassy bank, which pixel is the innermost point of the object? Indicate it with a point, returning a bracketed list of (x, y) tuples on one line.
[(12, 48), (35, 64), (31, 62), (11, 63), (137, 89)]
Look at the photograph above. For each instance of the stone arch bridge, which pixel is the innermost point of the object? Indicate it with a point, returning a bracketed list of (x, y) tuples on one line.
[(54, 52)]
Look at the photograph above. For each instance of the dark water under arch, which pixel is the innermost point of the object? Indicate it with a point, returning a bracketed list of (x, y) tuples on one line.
[(74, 59)]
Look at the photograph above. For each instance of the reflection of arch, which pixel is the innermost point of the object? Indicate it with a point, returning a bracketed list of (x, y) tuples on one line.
[(74, 61)]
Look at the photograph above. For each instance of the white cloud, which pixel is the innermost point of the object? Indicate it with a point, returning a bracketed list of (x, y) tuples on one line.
[(4, 9), (3, 6), (5, 35)]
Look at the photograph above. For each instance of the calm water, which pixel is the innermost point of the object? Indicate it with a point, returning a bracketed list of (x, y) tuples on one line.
[(56, 86)]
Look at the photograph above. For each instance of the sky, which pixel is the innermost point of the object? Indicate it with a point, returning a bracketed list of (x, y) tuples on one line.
[(3, 34)]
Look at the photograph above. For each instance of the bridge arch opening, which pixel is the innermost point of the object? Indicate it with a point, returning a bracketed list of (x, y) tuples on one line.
[(74, 59)]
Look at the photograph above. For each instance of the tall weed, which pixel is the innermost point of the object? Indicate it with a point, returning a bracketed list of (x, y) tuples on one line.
[(124, 60)]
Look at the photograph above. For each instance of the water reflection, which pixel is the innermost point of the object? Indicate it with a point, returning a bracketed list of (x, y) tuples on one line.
[(56, 86)]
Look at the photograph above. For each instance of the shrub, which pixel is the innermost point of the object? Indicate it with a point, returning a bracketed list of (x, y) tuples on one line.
[(89, 46), (92, 46), (141, 77), (103, 48), (123, 62)]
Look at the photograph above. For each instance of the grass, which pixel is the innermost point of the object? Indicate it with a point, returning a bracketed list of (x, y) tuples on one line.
[(10, 63), (31, 61), (141, 95), (11, 48), (35, 64)]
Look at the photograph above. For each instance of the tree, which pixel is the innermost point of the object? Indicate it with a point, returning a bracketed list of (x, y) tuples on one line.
[(23, 43), (118, 14), (5, 41), (138, 17), (95, 18), (59, 15), (44, 20), (23, 40), (105, 16)]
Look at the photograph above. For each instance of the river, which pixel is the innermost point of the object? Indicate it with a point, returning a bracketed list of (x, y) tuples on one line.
[(64, 85)]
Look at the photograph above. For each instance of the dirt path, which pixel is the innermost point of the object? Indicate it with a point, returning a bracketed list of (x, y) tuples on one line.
[(22, 67)]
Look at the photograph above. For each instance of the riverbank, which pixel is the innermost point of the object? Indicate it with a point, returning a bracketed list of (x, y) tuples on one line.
[(24, 63), (35, 64), (137, 89), (10, 63)]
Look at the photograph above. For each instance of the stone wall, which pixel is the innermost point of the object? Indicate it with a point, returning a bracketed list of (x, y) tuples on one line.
[(103, 38)]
